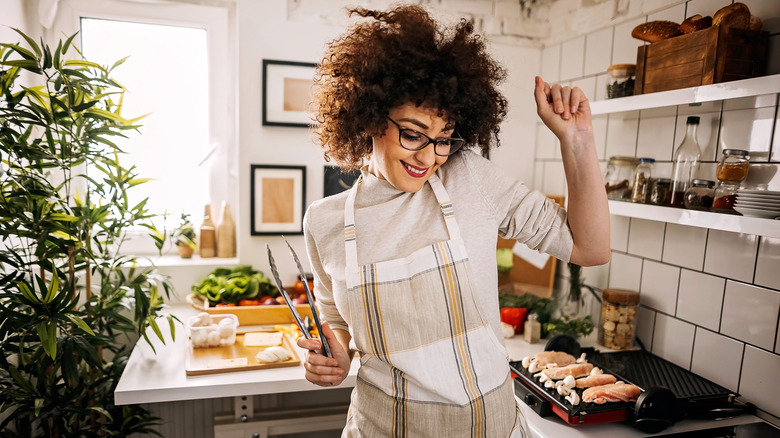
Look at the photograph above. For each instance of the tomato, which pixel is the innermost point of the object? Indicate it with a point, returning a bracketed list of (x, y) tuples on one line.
[(514, 316), (225, 305), (249, 302), (300, 289), (267, 301)]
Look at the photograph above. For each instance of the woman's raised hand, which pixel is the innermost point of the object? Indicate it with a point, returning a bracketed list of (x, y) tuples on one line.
[(564, 110), (322, 370)]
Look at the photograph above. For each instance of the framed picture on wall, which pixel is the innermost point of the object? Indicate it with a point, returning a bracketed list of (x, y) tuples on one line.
[(278, 199), (336, 181), (287, 92)]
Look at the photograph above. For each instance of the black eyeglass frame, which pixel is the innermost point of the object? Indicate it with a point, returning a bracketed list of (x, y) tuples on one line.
[(430, 140)]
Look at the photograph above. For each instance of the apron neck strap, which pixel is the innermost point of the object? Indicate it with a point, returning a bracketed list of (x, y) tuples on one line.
[(442, 197)]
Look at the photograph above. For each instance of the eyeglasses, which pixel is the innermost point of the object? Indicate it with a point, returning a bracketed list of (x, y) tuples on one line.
[(412, 140)]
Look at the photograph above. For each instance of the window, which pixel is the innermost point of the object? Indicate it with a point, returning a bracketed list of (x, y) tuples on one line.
[(177, 73)]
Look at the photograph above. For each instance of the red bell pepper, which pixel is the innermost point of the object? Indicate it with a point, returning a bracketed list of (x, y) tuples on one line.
[(514, 316)]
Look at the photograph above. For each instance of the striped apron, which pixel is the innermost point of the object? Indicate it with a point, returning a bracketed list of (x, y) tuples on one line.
[(430, 363)]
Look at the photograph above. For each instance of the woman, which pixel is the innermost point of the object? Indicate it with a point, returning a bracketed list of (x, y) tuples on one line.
[(404, 262)]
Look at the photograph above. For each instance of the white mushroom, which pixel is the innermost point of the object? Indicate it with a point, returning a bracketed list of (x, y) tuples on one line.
[(570, 381), (582, 358), (563, 390), (596, 371), (526, 361), (549, 384), (534, 367), (573, 398)]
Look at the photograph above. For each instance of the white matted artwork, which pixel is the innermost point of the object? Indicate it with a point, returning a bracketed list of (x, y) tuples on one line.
[(277, 199), (287, 92)]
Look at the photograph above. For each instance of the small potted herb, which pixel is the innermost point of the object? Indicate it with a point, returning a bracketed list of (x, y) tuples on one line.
[(184, 237)]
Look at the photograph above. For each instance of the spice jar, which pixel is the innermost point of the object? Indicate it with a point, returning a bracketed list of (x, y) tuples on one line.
[(643, 172), (700, 195), (660, 193), (621, 80), (618, 177), (733, 165), (533, 329), (617, 324), (724, 196)]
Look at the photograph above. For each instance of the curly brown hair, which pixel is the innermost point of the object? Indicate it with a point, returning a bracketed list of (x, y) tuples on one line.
[(403, 56)]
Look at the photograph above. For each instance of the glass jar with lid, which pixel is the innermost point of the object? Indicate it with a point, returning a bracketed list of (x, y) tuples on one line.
[(619, 176), (700, 195), (660, 192), (643, 176), (621, 80), (617, 323), (724, 196), (733, 165)]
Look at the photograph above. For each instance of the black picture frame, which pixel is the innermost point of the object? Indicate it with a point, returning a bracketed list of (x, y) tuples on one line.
[(335, 180), (287, 89), (278, 199)]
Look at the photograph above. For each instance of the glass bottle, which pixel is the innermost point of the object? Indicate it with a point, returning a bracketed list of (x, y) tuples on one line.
[(643, 176), (533, 329), (208, 235), (686, 162), (659, 195), (226, 233)]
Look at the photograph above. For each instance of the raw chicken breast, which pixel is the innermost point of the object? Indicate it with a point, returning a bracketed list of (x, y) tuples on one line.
[(557, 357), (611, 393), (575, 370), (595, 380)]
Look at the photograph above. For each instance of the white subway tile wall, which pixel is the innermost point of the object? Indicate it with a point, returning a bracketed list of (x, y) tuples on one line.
[(659, 286), (646, 238), (731, 255), (673, 340), (684, 246), (759, 383), (700, 298), (710, 299), (711, 348), (750, 314)]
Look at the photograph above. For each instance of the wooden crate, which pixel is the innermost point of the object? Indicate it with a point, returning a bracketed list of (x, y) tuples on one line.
[(253, 315), (709, 56)]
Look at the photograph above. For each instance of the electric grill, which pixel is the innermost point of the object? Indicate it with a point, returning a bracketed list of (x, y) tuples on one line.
[(669, 392)]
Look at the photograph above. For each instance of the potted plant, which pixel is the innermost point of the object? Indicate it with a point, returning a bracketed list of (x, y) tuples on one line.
[(183, 236), (71, 303)]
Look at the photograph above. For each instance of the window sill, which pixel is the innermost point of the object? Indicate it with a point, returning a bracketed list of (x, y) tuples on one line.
[(174, 260)]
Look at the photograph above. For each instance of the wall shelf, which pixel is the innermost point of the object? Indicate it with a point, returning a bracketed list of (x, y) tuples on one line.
[(701, 219), (705, 93)]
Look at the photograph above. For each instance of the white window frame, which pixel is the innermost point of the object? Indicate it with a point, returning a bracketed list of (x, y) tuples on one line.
[(218, 21)]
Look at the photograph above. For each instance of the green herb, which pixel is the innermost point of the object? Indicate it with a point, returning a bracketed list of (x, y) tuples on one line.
[(225, 285), (531, 302), (573, 327)]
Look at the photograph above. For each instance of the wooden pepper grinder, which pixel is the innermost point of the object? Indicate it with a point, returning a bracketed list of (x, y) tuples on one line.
[(226, 233), (208, 235)]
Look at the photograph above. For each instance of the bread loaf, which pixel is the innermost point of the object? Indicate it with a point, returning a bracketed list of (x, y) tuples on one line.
[(694, 23), (658, 30), (735, 15), (755, 23)]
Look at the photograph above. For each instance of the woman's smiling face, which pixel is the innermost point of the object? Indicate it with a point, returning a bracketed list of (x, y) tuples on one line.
[(409, 170)]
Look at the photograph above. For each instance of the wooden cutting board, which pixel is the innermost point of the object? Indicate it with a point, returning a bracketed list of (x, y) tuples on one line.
[(236, 357)]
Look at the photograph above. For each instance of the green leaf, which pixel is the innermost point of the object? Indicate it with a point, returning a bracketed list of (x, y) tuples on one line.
[(102, 411), (30, 41), (47, 331), (172, 327), (83, 63), (80, 323), (54, 286), (26, 54), (38, 406), (22, 63), (63, 217), (25, 290), (153, 324), (66, 44)]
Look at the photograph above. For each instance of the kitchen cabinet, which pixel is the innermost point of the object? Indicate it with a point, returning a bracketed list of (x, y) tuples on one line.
[(694, 95)]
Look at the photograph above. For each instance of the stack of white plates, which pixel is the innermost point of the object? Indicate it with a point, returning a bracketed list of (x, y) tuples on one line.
[(758, 203)]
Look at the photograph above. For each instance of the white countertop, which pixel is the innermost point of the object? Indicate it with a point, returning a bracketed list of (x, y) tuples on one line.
[(154, 378)]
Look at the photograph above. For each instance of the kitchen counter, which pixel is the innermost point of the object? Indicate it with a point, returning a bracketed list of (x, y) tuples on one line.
[(154, 378)]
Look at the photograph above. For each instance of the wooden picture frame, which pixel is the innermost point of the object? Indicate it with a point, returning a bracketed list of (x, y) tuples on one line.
[(278, 199), (287, 92)]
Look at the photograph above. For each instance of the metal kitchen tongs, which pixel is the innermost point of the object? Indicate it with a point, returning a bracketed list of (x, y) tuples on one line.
[(309, 297)]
